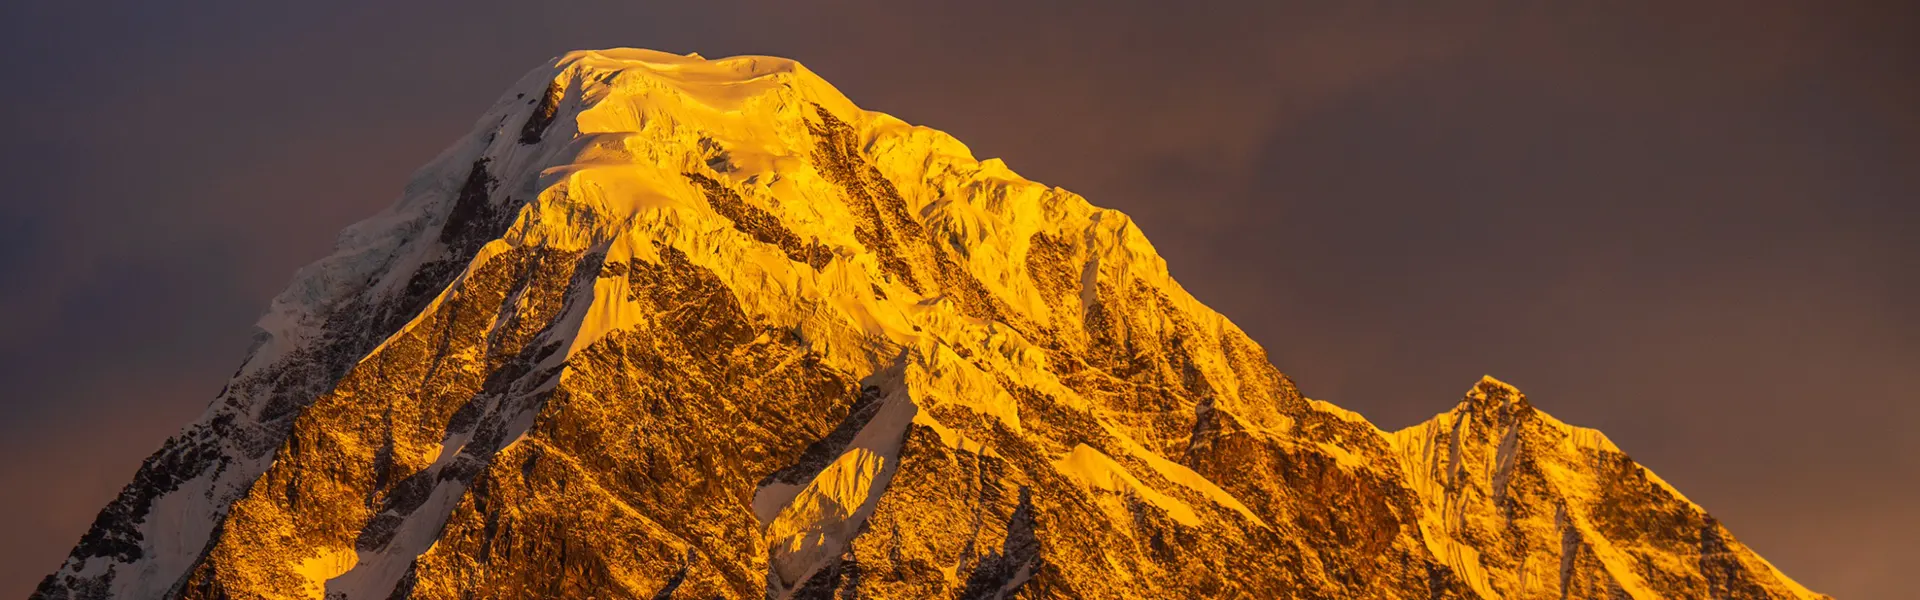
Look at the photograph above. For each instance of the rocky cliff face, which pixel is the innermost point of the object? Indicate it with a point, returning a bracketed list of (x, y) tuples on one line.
[(665, 327)]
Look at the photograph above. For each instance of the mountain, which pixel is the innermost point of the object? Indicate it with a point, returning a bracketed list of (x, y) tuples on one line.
[(664, 327)]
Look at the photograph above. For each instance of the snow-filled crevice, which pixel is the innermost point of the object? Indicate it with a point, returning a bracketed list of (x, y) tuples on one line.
[(779, 488), (417, 508), (818, 522)]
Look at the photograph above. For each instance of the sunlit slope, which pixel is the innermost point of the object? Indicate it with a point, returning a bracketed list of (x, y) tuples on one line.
[(1522, 505), (668, 327)]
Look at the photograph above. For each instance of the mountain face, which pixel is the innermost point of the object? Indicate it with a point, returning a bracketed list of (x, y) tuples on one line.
[(663, 327)]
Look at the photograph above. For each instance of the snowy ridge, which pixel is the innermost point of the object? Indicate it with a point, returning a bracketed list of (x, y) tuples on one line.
[(1474, 465), (666, 326)]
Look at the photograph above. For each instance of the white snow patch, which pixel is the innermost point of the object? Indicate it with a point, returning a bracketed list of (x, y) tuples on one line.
[(1180, 474), (1095, 470), (822, 519)]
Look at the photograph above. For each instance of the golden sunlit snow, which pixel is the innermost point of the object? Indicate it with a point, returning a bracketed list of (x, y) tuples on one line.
[(669, 327)]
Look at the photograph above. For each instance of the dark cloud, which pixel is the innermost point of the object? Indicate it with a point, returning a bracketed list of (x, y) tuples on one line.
[(1689, 225)]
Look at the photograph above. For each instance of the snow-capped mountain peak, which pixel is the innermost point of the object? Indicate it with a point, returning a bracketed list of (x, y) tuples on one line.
[(661, 326)]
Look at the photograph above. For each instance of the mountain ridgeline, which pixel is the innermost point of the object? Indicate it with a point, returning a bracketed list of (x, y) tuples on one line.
[(665, 327)]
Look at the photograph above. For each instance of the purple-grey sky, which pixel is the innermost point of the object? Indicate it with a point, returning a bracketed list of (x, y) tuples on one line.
[(1693, 225)]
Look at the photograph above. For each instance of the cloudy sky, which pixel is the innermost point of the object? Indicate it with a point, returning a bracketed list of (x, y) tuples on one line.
[(1693, 225)]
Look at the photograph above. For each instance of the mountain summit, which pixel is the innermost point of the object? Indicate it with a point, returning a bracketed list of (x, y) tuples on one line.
[(665, 327)]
